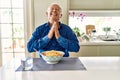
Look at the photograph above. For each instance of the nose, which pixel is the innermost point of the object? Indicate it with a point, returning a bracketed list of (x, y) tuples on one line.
[(54, 9)]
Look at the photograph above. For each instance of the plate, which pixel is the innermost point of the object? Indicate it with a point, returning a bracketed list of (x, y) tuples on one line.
[(110, 40)]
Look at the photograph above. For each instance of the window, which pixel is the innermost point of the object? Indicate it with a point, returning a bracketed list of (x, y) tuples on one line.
[(12, 39), (99, 19)]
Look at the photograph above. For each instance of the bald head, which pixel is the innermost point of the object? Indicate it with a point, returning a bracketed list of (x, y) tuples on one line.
[(54, 4)]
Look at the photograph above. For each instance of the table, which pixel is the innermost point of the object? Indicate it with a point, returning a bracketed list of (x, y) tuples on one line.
[(98, 68)]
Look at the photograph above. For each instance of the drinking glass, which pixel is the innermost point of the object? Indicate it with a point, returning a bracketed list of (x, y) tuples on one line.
[(27, 63)]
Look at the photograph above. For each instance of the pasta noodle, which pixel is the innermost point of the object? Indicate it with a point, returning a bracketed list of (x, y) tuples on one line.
[(52, 53)]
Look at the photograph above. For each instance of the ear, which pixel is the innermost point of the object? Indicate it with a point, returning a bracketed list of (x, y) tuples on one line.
[(60, 15), (46, 13)]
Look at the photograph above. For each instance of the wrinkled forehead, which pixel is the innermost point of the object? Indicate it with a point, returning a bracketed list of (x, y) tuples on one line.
[(54, 6)]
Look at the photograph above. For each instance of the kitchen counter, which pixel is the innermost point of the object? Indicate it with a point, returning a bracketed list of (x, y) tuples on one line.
[(98, 68), (99, 48), (100, 42)]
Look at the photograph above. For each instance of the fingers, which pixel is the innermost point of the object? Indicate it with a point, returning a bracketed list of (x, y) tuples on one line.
[(54, 30), (56, 25)]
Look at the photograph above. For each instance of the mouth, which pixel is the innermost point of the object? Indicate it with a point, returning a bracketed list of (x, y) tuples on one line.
[(54, 14)]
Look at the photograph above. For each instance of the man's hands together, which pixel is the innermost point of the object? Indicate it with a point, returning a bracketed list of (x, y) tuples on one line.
[(54, 30)]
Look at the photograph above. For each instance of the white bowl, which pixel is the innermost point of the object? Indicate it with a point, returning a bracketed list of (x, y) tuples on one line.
[(52, 59)]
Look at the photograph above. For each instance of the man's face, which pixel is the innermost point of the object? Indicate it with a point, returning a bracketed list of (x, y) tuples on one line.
[(54, 13)]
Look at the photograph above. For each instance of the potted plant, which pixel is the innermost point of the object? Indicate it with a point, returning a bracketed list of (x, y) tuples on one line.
[(106, 30), (81, 36), (77, 31)]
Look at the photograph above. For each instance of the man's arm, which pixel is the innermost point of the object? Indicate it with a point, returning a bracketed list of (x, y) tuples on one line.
[(36, 42), (70, 42)]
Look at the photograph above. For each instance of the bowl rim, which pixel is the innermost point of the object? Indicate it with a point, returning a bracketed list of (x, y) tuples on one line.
[(61, 52)]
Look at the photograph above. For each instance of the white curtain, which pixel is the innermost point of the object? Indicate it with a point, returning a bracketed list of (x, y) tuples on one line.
[(29, 22)]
